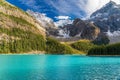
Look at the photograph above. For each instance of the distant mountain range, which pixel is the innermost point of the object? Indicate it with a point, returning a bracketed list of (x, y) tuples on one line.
[(105, 20)]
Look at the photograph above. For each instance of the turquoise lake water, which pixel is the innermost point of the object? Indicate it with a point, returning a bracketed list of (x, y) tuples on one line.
[(58, 67)]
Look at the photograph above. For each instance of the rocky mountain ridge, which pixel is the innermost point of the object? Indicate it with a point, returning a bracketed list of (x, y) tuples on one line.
[(82, 29), (105, 21), (108, 17), (78, 29)]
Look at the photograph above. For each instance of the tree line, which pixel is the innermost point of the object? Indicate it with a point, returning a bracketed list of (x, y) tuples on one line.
[(112, 49), (27, 41)]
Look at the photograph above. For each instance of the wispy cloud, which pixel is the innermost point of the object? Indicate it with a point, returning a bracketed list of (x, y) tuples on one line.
[(30, 3), (68, 7), (76, 8)]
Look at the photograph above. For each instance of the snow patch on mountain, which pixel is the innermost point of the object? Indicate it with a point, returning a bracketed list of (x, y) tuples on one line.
[(114, 37), (104, 19), (116, 6), (64, 33), (113, 34), (42, 18), (118, 19)]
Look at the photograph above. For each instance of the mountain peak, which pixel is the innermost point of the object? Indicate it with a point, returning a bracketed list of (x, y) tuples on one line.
[(111, 3), (109, 9)]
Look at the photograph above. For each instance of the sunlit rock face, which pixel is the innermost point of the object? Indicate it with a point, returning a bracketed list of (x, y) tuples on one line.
[(82, 29)]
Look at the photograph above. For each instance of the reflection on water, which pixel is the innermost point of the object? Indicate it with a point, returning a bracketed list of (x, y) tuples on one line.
[(47, 67)]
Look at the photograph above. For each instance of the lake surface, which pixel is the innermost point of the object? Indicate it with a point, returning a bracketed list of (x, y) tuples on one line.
[(53, 67)]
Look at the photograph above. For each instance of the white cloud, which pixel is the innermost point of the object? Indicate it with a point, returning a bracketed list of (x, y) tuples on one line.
[(75, 7), (71, 7), (67, 7), (63, 22), (62, 17)]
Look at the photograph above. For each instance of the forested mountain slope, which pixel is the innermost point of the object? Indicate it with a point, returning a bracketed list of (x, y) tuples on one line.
[(19, 32)]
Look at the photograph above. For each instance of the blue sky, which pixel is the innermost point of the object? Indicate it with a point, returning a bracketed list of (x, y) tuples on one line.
[(54, 8)]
